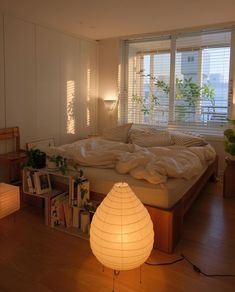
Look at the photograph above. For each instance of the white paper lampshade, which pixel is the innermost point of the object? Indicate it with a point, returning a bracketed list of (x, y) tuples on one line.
[(121, 234), (9, 199)]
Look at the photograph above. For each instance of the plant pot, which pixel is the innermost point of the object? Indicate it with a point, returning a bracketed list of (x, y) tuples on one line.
[(229, 178), (51, 165), (40, 161)]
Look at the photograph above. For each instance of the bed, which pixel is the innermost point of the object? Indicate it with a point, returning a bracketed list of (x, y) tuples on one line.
[(167, 213), (166, 178)]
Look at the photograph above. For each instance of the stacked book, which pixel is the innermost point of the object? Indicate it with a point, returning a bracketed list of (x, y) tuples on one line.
[(59, 211)]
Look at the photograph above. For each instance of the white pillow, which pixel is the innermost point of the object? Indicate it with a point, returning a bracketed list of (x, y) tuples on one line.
[(119, 134), (150, 137), (187, 140)]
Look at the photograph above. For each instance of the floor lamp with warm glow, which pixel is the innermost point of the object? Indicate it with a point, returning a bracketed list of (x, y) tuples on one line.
[(121, 234)]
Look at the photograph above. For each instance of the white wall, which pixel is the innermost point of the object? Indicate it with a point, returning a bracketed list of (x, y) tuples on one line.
[(46, 82), (109, 56)]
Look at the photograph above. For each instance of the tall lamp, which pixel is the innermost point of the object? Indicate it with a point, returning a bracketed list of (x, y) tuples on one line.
[(121, 234)]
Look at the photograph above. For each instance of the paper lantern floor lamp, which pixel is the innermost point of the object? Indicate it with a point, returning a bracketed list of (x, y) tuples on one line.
[(121, 234), (9, 199)]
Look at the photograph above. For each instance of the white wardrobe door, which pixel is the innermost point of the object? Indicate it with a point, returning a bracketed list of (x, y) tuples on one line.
[(69, 119), (48, 83), (2, 96), (20, 76)]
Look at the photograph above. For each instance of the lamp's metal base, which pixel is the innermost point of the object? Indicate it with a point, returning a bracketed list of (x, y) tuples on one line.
[(116, 273)]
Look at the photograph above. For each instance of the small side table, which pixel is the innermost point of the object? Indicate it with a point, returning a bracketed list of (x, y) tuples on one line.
[(229, 179)]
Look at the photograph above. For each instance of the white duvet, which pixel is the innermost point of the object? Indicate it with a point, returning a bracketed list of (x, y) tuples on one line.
[(153, 164)]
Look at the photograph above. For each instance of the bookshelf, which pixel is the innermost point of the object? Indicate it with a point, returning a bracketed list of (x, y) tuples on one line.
[(59, 186), (57, 181)]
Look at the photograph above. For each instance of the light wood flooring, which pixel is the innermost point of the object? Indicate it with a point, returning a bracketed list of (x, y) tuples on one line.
[(36, 258)]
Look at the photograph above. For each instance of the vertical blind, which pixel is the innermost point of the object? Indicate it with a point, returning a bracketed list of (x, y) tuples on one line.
[(200, 75)]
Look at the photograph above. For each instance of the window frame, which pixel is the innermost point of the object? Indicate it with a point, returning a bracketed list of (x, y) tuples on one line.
[(173, 51)]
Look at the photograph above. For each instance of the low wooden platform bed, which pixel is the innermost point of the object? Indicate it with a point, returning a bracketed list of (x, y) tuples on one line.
[(172, 200), (165, 170)]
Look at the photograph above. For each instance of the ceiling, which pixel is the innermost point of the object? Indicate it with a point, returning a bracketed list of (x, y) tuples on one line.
[(99, 19)]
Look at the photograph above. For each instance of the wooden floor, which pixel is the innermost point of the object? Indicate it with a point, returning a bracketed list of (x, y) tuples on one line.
[(36, 258)]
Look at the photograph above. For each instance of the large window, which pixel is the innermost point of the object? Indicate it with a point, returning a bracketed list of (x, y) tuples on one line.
[(178, 79)]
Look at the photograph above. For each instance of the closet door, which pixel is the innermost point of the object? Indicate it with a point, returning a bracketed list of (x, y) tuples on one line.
[(48, 83), (69, 119), (20, 76), (2, 96)]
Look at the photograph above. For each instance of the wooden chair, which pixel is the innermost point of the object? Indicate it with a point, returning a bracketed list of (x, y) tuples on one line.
[(11, 161)]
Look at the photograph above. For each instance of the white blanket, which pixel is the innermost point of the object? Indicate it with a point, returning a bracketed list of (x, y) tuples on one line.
[(153, 164)]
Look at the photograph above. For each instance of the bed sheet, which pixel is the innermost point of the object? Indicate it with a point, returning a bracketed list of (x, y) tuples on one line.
[(164, 195)]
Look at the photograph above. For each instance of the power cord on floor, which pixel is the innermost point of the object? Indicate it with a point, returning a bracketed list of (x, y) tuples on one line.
[(195, 268), (165, 264)]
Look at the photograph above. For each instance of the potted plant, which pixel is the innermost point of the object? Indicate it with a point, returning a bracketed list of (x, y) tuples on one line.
[(229, 173), (57, 162), (35, 158), (230, 143)]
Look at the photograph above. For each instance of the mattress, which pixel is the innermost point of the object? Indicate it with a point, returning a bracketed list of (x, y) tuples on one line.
[(163, 196)]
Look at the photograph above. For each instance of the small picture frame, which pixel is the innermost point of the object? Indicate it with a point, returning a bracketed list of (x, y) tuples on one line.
[(40, 144), (29, 181), (42, 183)]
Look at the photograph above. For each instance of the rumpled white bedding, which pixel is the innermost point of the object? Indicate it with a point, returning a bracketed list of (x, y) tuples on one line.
[(153, 164)]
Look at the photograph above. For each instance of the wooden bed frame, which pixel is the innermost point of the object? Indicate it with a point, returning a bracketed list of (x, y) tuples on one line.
[(168, 224)]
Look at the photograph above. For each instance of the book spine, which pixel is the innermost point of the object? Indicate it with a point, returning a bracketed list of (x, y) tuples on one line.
[(36, 183), (46, 210), (76, 216), (57, 216), (67, 213), (29, 182), (85, 221), (32, 180)]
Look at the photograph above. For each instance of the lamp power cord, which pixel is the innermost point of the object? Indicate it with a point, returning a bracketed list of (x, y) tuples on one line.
[(195, 268)]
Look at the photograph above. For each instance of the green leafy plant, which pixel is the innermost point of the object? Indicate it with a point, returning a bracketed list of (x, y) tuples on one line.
[(229, 141), (90, 205), (60, 162), (78, 179), (35, 158), (83, 193), (185, 89)]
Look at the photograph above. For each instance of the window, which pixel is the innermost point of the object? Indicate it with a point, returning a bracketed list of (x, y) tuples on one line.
[(191, 58), (147, 103), (178, 79)]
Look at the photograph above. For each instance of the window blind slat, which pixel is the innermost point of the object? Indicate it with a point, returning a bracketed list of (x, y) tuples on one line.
[(201, 80)]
